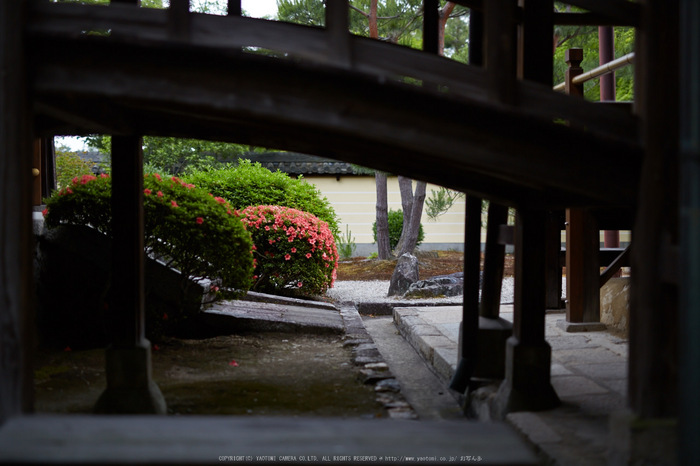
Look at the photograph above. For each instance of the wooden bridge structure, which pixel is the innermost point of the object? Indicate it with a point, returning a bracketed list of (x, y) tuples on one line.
[(494, 129)]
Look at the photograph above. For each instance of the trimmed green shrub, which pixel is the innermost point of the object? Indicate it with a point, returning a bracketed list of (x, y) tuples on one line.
[(68, 166), (250, 184), (295, 252), (395, 218), (185, 227)]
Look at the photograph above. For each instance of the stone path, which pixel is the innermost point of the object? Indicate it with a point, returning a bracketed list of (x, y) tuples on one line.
[(589, 373)]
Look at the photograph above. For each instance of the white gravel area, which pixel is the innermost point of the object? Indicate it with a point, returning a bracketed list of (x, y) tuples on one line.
[(376, 291)]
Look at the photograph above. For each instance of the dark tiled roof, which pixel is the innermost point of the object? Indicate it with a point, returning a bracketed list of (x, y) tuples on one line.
[(301, 164)]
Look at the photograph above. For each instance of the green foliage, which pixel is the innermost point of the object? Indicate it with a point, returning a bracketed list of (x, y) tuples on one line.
[(175, 156), (346, 244), (441, 201), (395, 218), (295, 253), (68, 166), (184, 227), (251, 184)]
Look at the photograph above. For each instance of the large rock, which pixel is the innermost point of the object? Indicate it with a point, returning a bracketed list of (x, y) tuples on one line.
[(435, 287), (405, 274)]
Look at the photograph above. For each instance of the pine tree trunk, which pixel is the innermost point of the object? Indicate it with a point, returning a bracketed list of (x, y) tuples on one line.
[(416, 214), (406, 190), (383, 247)]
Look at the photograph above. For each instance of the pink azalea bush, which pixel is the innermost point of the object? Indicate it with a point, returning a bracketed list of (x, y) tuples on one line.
[(295, 252)]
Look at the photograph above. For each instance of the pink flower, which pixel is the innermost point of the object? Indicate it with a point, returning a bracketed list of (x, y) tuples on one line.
[(69, 191), (308, 255), (287, 257), (220, 200), (147, 191), (174, 204), (199, 220), (300, 284), (159, 193), (87, 178), (267, 227), (157, 177), (44, 212), (233, 363), (294, 250), (104, 175)]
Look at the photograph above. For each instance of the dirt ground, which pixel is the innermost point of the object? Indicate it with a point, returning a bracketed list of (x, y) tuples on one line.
[(430, 263), (258, 374)]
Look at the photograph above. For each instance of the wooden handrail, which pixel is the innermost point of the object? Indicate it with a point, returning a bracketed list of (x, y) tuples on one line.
[(599, 71)]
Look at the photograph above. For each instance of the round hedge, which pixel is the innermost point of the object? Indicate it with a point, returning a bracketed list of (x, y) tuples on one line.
[(251, 184)]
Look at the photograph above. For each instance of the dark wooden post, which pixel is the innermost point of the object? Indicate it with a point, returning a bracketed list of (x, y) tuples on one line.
[(16, 240), (130, 388), (689, 317), (582, 271), (553, 261), (501, 49), (234, 8), (493, 330), (527, 385), (649, 434), (469, 328), (573, 58), (338, 32)]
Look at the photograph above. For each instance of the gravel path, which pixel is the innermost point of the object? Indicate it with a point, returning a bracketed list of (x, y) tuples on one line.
[(376, 290)]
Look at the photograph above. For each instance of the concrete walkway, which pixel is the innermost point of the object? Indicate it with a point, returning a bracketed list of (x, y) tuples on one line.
[(589, 373)]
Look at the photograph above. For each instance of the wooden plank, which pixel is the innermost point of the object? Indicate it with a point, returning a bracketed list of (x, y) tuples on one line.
[(16, 239)]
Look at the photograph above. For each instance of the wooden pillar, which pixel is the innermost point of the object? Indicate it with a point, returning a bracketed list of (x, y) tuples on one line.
[(494, 331), (130, 388), (469, 327), (16, 243), (527, 385), (649, 433), (689, 318), (500, 49), (553, 265), (582, 271), (338, 32)]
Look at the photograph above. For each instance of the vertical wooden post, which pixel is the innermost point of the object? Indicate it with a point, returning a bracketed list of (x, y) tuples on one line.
[(689, 318), (467, 351), (16, 243), (501, 49), (582, 270), (130, 388), (553, 261), (573, 58), (527, 385), (179, 20), (338, 32), (234, 8), (431, 18)]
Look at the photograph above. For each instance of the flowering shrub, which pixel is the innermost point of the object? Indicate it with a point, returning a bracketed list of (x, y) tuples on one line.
[(185, 227), (68, 166), (250, 184), (295, 252)]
